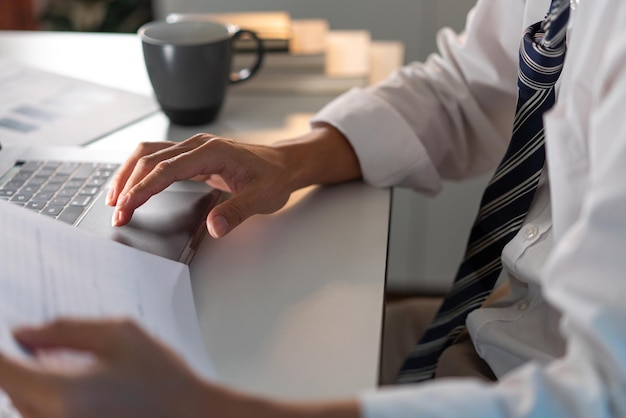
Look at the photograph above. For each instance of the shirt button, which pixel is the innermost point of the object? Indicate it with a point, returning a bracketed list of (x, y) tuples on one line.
[(522, 306), (531, 232)]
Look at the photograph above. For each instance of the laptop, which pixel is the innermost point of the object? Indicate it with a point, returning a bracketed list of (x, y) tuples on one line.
[(70, 184)]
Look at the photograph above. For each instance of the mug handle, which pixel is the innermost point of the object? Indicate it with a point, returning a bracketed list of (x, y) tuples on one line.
[(245, 73)]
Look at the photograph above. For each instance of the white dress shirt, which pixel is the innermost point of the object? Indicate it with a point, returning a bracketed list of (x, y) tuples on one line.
[(558, 343)]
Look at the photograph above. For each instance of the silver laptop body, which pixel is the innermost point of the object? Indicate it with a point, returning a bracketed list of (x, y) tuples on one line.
[(171, 224)]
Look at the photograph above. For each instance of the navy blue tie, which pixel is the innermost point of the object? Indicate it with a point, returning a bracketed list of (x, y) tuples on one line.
[(507, 197)]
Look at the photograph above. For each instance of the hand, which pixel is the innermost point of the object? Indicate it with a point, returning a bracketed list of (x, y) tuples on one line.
[(257, 176), (133, 375)]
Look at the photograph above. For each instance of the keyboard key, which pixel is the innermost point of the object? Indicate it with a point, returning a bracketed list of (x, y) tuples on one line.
[(51, 187), (70, 214), (36, 205), (81, 201), (67, 168), (22, 175), (51, 165), (7, 192), (44, 173), (60, 201), (14, 184), (75, 183), (95, 182), (29, 165), (89, 191), (58, 178), (42, 197), (21, 197), (32, 189), (84, 171), (109, 166), (36, 181), (52, 210), (67, 192)]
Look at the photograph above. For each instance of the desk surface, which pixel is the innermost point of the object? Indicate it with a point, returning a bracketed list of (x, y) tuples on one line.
[(290, 304)]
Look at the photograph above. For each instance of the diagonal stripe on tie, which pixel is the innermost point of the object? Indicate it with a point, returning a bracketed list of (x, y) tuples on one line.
[(507, 197)]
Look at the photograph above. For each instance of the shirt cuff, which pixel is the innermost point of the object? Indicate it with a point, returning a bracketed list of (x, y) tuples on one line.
[(389, 152)]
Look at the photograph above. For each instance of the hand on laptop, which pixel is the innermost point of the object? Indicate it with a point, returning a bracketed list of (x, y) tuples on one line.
[(260, 178), (256, 176)]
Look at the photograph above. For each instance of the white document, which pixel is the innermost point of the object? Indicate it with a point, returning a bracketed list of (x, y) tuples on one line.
[(49, 269), (42, 108)]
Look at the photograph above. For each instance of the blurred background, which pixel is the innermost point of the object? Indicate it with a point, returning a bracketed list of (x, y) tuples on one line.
[(413, 22), (75, 15)]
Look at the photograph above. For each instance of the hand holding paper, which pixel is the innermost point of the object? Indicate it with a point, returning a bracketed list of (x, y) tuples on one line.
[(51, 270)]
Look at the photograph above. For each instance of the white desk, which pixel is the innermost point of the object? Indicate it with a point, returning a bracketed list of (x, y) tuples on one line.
[(290, 304)]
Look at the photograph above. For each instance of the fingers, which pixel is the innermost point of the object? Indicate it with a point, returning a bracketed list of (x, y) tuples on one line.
[(187, 160), (23, 382), (123, 174), (255, 175), (252, 200), (25, 408), (102, 338), (228, 215), (218, 225), (136, 372), (147, 162), (146, 174)]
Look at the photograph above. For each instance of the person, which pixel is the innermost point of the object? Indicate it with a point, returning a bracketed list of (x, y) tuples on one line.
[(556, 342)]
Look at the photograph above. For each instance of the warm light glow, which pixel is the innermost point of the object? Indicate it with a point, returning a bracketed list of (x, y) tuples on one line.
[(347, 53)]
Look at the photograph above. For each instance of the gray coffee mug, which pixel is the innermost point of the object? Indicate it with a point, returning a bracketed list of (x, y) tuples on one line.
[(190, 66)]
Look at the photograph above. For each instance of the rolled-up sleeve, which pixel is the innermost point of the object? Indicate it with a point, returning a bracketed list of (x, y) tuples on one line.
[(447, 118)]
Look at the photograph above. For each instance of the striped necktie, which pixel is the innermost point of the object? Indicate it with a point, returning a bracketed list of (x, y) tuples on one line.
[(507, 197)]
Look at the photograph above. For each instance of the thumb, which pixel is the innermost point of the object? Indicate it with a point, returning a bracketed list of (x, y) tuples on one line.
[(18, 378), (224, 217)]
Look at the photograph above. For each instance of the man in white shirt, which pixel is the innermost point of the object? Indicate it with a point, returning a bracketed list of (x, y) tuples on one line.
[(557, 342)]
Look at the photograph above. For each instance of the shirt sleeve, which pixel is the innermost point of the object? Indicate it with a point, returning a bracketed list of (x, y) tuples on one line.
[(583, 279), (447, 118)]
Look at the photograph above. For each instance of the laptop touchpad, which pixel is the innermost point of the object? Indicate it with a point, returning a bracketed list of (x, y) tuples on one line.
[(165, 225)]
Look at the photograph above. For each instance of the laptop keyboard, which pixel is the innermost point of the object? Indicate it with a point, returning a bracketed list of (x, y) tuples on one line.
[(61, 190)]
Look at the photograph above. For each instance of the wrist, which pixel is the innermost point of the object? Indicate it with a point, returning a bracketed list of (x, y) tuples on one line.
[(322, 156)]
